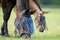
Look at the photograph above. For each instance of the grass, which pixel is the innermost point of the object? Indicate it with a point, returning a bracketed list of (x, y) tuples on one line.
[(53, 24)]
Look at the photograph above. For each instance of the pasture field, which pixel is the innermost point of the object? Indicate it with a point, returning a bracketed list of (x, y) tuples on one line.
[(52, 21)]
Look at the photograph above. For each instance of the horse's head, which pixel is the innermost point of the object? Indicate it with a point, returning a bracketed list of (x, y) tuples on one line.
[(25, 22), (40, 21)]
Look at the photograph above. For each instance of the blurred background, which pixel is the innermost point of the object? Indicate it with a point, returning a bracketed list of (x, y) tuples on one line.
[(50, 2)]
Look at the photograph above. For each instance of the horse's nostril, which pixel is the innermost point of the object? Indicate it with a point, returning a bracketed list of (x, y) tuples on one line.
[(41, 29)]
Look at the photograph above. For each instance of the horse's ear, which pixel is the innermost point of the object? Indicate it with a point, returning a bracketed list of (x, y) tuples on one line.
[(32, 12), (27, 10), (44, 12)]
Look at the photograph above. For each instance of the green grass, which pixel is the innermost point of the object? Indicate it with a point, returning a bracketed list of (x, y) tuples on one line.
[(53, 24)]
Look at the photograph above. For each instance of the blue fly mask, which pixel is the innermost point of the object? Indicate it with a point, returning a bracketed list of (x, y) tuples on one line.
[(40, 22), (24, 24)]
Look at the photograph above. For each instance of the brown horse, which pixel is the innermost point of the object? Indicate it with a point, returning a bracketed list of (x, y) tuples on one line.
[(7, 6), (40, 19)]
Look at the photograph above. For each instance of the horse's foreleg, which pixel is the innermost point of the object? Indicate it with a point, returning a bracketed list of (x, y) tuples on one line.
[(6, 16)]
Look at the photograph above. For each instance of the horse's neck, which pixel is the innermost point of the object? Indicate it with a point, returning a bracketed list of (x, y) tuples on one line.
[(20, 5)]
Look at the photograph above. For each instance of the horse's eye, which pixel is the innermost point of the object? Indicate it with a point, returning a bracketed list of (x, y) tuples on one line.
[(39, 15)]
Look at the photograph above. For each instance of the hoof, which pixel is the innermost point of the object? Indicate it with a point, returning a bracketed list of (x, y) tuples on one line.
[(2, 34), (15, 35), (7, 35)]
